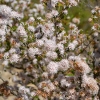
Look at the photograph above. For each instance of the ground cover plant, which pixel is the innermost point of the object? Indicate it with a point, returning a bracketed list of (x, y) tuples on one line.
[(50, 50)]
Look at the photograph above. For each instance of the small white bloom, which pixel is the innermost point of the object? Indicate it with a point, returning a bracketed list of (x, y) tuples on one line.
[(93, 11), (14, 58), (12, 50), (52, 67), (63, 64), (5, 10), (54, 2), (31, 19), (50, 45), (3, 21), (6, 55), (72, 26), (2, 49), (82, 66), (95, 34), (60, 25), (33, 51), (45, 74), (2, 39), (65, 12), (15, 15), (61, 48), (39, 43), (54, 13), (35, 61), (49, 15), (31, 28), (73, 45), (47, 60), (5, 63), (48, 29), (51, 55), (91, 83), (64, 83), (75, 42), (94, 28), (76, 20), (24, 90), (21, 31), (72, 3), (2, 32)]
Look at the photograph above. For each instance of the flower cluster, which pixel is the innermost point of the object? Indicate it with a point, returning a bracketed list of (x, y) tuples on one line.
[(46, 54)]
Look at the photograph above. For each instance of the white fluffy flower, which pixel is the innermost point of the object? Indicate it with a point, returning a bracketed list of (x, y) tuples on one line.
[(49, 15), (45, 74), (73, 45), (51, 55), (96, 34), (48, 29), (5, 10), (64, 83), (21, 31), (2, 32), (5, 63), (3, 21), (31, 19), (12, 50), (31, 28), (15, 15), (72, 26), (14, 58), (82, 66), (91, 83), (52, 67), (54, 2), (24, 90), (61, 35), (2, 39), (2, 49), (33, 51), (34, 61), (63, 64), (47, 60), (75, 42), (50, 45), (39, 7), (65, 12), (93, 11), (54, 12), (94, 28), (39, 43), (61, 48), (6, 55), (72, 3), (76, 20)]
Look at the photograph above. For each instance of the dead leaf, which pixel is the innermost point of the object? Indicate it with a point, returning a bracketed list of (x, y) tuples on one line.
[(32, 85)]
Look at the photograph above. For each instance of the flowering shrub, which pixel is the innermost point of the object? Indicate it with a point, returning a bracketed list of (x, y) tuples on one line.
[(45, 54)]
